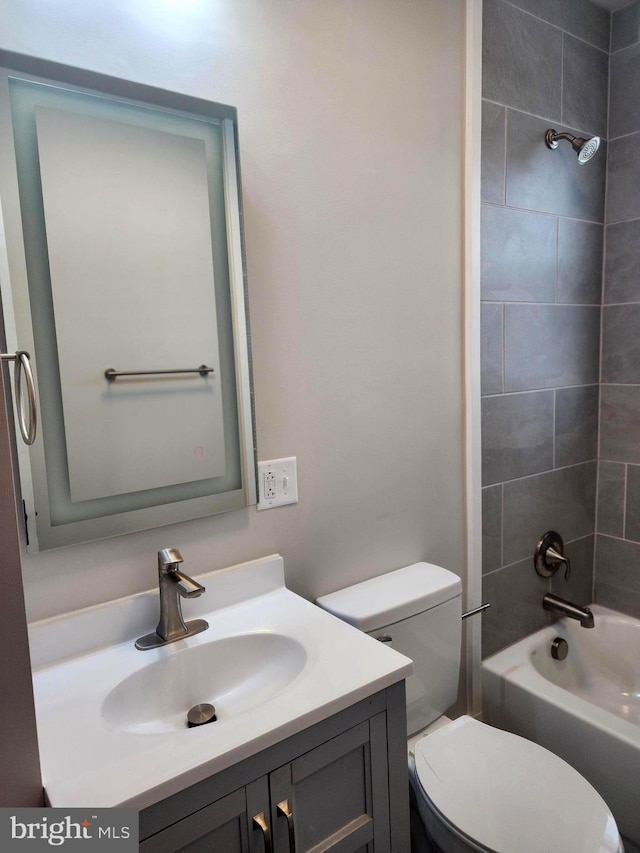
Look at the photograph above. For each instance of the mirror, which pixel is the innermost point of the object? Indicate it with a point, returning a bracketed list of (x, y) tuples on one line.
[(124, 276)]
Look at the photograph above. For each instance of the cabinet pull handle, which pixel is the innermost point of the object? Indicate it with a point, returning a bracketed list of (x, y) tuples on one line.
[(259, 822), (285, 811), (22, 366)]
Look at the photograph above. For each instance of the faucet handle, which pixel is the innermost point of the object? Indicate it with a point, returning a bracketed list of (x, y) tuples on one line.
[(549, 554), (169, 556), (555, 558)]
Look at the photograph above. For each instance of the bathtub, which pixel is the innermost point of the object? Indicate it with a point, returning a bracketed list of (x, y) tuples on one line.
[(585, 708)]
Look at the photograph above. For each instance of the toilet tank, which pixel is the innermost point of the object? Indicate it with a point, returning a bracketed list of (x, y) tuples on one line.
[(418, 611)]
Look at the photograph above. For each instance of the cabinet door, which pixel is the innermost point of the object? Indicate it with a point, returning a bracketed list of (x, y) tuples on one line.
[(20, 783), (335, 796), (230, 825)]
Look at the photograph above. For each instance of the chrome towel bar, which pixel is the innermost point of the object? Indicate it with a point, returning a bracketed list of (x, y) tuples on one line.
[(22, 365), (112, 374), (476, 610)]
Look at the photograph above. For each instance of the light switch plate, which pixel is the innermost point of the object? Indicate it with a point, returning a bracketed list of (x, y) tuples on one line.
[(277, 483)]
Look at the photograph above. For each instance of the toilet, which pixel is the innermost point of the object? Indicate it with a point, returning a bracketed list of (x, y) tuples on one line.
[(473, 787)]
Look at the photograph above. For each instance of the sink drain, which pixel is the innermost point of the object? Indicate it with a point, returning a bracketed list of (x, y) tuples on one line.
[(200, 715)]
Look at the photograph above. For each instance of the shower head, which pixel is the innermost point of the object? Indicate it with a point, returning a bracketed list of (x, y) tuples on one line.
[(585, 148)]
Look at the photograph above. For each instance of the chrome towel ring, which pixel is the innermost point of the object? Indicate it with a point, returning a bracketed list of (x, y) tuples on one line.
[(28, 421)]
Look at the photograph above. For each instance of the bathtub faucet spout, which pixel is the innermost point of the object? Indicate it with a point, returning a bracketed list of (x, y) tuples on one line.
[(567, 608)]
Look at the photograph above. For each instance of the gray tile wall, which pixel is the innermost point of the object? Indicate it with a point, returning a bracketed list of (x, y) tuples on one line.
[(545, 64), (617, 564)]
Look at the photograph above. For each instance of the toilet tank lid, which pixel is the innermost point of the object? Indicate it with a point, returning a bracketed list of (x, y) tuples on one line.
[(390, 598)]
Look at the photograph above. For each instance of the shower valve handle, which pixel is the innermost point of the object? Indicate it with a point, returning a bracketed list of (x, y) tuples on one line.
[(549, 555), (553, 557)]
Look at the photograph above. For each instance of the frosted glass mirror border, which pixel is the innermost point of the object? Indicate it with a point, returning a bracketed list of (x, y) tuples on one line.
[(54, 516)]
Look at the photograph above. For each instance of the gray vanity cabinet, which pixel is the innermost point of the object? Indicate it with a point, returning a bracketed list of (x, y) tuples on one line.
[(329, 793), (340, 793), (222, 826)]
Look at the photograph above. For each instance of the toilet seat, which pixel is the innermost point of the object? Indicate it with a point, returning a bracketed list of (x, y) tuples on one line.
[(499, 792)]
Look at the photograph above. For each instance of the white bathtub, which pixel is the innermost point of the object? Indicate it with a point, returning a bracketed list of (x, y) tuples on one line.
[(585, 708)]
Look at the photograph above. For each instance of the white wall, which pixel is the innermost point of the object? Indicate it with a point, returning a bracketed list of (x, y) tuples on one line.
[(351, 117)]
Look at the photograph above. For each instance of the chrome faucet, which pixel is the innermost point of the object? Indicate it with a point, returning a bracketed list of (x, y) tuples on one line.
[(173, 586), (559, 605)]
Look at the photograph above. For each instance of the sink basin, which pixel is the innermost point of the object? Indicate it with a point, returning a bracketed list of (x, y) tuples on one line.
[(112, 720), (234, 673)]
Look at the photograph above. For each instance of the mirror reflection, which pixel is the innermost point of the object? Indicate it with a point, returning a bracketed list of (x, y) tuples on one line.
[(123, 230)]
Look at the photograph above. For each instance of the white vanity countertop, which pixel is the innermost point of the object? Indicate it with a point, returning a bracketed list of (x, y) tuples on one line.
[(87, 761)]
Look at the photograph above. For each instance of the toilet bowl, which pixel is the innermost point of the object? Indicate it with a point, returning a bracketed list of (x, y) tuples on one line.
[(473, 787), (478, 788)]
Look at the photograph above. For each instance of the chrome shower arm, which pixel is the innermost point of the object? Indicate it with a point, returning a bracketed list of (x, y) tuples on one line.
[(552, 137)]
